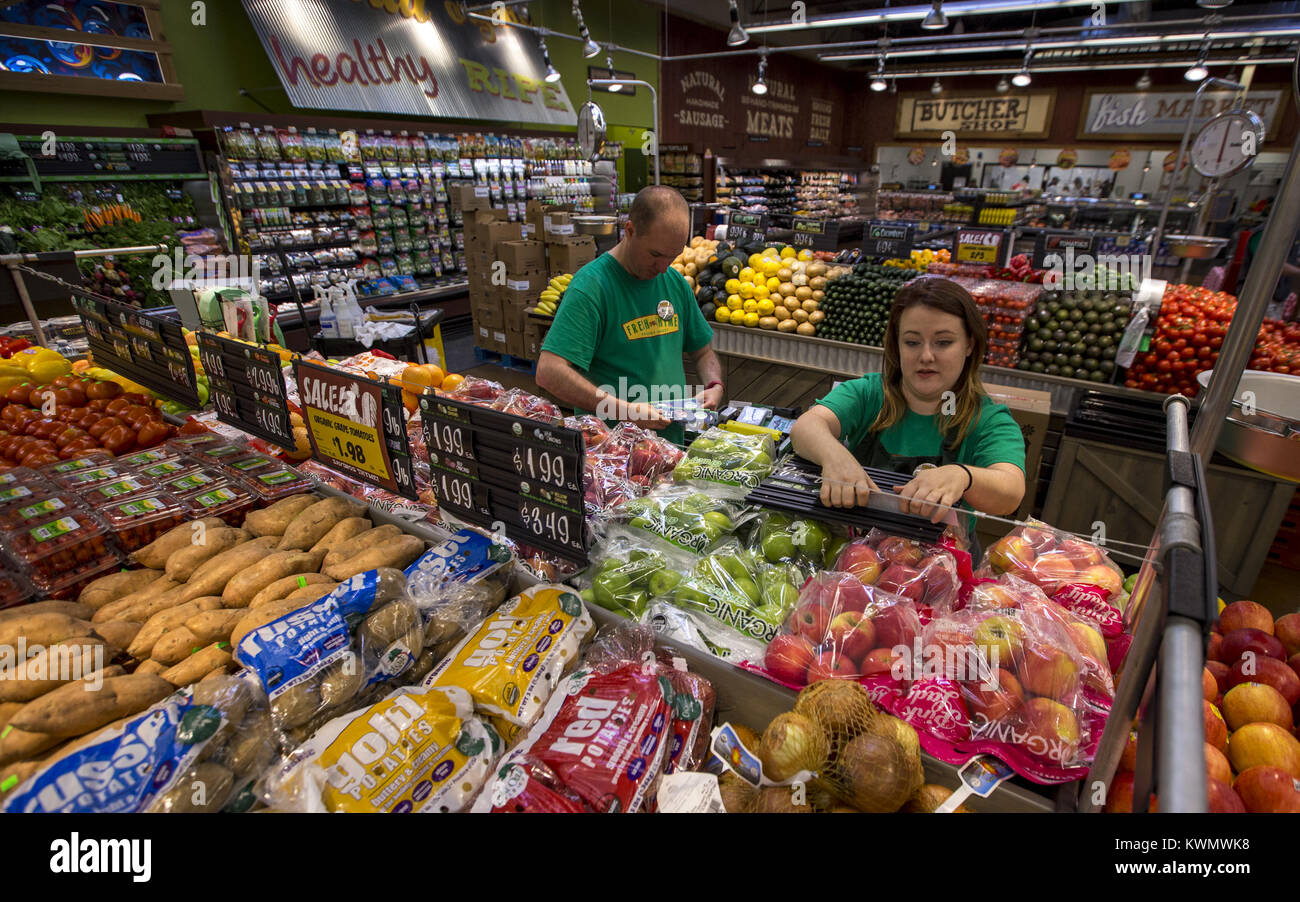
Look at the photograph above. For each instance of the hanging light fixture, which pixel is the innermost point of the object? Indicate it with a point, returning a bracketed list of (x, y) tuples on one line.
[(1144, 82), (1022, 78), (609, 64), (1199, 71), (737, 36), (590, 49), (935, 18), (878, 83), (552, 74), (937, 87), (1213, 4), (760, 87), (1003, 85)]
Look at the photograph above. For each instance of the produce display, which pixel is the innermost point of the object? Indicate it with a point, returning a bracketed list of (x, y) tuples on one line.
[(721, 457), (919, 259), (552, 294), (1075, 334), (857, 304)]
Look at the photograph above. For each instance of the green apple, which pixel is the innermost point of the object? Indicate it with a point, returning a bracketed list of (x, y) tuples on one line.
[(810, 537), (777, 545), (711, 533), (636, 602), (698, 501), (781, 595), (687, 595), (637, 554), (1130, 582), (833, 550), (685, 470), (749, 587), (662, 582), (770, 613), (720, 520), (643, 522), (733, 564), (677, 511), (608, 564), (588, 596), (760, 461)]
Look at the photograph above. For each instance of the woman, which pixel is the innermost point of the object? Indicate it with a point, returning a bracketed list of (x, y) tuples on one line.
[(927, 414)]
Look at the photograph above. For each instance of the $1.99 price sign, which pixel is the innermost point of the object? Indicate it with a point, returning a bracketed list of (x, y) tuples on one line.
[(247, 387), (356, 426)]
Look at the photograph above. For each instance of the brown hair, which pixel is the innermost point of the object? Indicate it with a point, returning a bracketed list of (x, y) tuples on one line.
[(655, 202), (946, 297)]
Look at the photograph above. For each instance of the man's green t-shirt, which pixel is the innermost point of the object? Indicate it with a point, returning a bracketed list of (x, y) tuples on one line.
[(995, 437), (627, 335)]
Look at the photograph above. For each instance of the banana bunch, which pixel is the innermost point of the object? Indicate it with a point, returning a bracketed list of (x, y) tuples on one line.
[(552, 294)]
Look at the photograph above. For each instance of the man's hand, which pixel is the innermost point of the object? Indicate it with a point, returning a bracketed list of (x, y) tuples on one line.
[(936, 486), (711, 398), (844, 482), (645, 416)]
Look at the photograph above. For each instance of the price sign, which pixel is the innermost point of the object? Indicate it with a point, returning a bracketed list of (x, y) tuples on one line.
[(146, 348), (818, 234), (247, 388), (745, 227), (357, 426), (888, 239), (1061, 244), (491, 466), (978, 247)]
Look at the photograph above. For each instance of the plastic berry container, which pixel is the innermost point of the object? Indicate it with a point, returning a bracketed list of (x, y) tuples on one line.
[(86, 479), (277, 482), (249, 464), (217, 454), (167, 468), (137, 521), (69, 584), (146, 458), (132, 485), (191, 480), (39, 505), (87, 461), (186, 445), (228, 499), (20, 493), (14, 590), (19, 477), (57, 547)]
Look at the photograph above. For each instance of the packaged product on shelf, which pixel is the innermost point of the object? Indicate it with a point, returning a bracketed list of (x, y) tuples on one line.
[(188, 479), (736, 587), (107, 493), (930, 575), (629, 451), (146, 458), (275, 482), (225, 498), (59, 549), (727, 459), (31, 503), (680, 516), (512, 662), (20, 477), (420, 739), (473, 390), (694, 628), (520, 403), (628, 576), (803, 544), (458, 583), (82, 480), (137, 521)]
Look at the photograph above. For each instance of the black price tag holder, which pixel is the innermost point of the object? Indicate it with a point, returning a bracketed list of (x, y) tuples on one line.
[(743, 228), (817, 234), (246, 384), (488, 467), (1061, 243), (144, 347), (888, 239)]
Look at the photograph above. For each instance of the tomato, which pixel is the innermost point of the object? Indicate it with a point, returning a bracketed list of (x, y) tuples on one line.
[(117, 405), (151, 433), (9, 413), (19, 393), (69, 435), (193, 427), (102, 391), (70, 397), (97, 431), (134, 416), (1164, 366), (136, 398), (117, 440)]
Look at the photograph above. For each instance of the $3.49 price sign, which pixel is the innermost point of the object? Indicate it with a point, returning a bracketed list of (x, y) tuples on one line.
[(357, 426), (247, 388)]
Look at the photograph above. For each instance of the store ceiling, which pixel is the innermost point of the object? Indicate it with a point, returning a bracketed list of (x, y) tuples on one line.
[(1135, 34)]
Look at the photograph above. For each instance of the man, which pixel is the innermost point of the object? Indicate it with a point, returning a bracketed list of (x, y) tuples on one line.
[(617, 341)]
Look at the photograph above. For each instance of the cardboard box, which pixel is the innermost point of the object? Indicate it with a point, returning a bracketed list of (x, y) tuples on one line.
[(570, 255), (517, 346), (488, 312), (1032, 411), (522, 289), (515, 319), (558, 223), (465, 196), (519, 256), (499, 341), (534, 335), (476, 228), (497, 233)]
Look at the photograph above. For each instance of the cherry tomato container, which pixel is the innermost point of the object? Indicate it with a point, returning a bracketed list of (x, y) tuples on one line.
[(84, 480), (137, 521), (272, 484), (58, 548), (86, 461), (166, 468), (146, 458), (191, 480), (69, 585), (228, 499), (186, 445), (21, 476), (36, 506), (14, 589), (249, 464), (132, 485)]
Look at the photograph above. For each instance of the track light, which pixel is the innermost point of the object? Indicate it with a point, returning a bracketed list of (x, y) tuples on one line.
[(1003, 85), (1199, 71), (552, 74), (1144, 83), (878, 83), (590, 49), (737, 36), (1022, 78), (935, 18), (609, 64), (937, 87), (760, 87), (1213, 4)]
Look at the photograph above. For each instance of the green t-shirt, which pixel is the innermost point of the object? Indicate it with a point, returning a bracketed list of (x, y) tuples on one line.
[(627, 335), (994, 438)]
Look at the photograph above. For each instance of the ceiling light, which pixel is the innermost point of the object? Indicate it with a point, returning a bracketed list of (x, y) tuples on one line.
[(590, 49), (1199, 71), (1144, 83), (609, 64), (878, 83), (760, 87), (935, 19), (1021, 79), (552, 74), (1213, 4), (737, 36), (937, 87), (1003, 85)]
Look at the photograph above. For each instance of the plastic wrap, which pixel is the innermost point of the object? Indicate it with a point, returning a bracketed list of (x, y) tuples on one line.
[(473, 390), (696, 629), (924, 573), (739, 589), (682, 517), (458, 583), (603, 490), (734, 462), (520, 403), (635, 454), (803, 545), (627, 576)]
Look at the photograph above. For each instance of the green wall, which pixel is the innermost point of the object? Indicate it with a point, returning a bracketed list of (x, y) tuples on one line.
[(214, 61)]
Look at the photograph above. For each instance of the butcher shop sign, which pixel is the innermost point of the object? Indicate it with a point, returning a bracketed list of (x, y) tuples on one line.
[(1026, 115)]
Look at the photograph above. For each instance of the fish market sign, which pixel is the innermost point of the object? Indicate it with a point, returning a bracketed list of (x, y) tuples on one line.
[(1159, 114), (411, 57)]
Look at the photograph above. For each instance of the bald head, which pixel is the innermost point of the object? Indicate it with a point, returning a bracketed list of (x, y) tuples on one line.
[(655, 204), (658, 227)]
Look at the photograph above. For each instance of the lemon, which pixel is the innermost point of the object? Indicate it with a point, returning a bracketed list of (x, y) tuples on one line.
[(760, 291), (46, 369), (732, 286), (734, 302), (746, 290), (787, 253), (765, 307), (773, 284), (746, 275), (751, 306), (722, 315), (751, 320)]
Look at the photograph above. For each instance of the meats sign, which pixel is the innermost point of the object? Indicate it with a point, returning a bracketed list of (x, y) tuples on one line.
[(414, 58)]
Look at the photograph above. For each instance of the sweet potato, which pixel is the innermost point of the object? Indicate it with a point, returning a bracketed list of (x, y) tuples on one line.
[(155, 554), (277, 565), (309, 593), (257, 617), (174, 646), (397, 553), (151, 666), (8, 710), (184, 561), (366, 540), (311, 525), (72, 710), (51, 667), (275, 518), (214, 626), (211, 577), (193, 668), (42, 629), (117, 633), (140, 612), (115, 586), (282, 587), (70, 608), (16, 744), (344, 530), (113, 609)]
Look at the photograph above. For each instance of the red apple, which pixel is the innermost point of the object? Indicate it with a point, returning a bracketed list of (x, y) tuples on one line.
[(788, 658), (1089, 641), (1270, 672), (993, 595), (1216, 731), (1214, 651), (1294, 663), (1049, 672), (829, 665), (1287, 631), (860, 640), (900, 551), (1248, 703), (1238, 642), (996, 702), (899, 579), (1039, 539), (1242, 615), (896, 625), (879, 661), (1052, 570), (1001, 640), (1222, 800), (1120, 798), (810, 621), (848, 594), (1012, 553), (1103, 576), (1267, 790), (1082, 554), (938, 579), (1220, 672), (1209, 685), (861, 560), (1264, 743), (1054, 725), (1216, 765)]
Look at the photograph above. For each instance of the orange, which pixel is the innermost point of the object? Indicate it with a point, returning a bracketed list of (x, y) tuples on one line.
[(436, 375), (416, 379), (410, 401), (451, 381)]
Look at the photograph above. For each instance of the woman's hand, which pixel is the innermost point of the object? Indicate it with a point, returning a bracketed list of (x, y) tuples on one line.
[(844, 482), (931, 487)]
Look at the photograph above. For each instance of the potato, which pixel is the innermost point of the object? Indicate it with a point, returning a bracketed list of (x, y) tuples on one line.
[(160, 623), (253, 746), (213, 626), (277, 565), (53, 666), (275, 518), (142, 611), (388, 624), (206, 787), (155, 554), (117, 633), (215, 673), (341, 681), (366, 540), (211, 576), (70, 608), (42, 629), (184, 561), (175, 646), (71, 710), (115, 586), (17, 745), (296, 705), (397, 552), (420, 669), (193, 668), (229, 695), (113, 609), (310, 526), (151, 666), (282, 587), (346, 529)]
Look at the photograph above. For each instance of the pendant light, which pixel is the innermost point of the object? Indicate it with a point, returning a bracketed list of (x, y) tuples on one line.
[(935, 19), (1144, 83), (609, 64), (737, 37), (878, 83), (760, 87), (590, 49), (1003, 85), (937, 87), (552, 74)]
